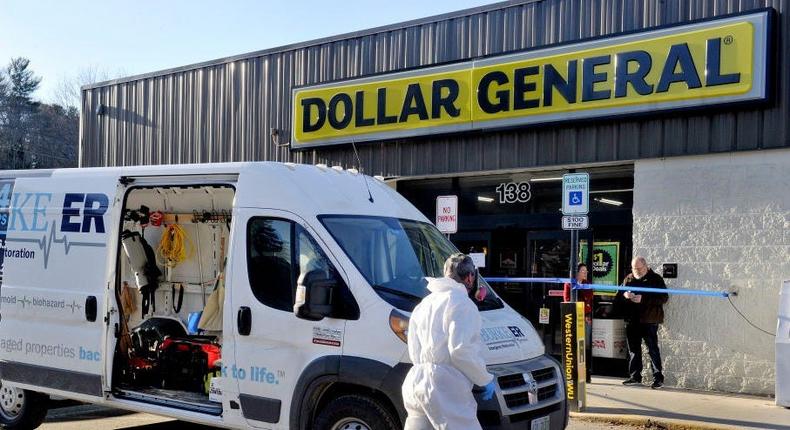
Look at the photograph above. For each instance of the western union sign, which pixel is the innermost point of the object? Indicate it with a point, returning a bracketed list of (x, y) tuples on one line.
[(701, 64)]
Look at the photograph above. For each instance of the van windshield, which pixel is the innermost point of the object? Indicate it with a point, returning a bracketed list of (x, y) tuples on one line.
[(395, 256)]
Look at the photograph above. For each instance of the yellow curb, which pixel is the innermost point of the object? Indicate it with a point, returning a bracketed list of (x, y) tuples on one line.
[(647, 422)]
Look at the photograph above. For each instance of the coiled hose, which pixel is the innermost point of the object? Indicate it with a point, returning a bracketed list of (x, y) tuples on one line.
[(175, 246)]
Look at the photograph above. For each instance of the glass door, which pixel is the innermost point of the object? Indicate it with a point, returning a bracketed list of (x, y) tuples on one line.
[(549, 254)]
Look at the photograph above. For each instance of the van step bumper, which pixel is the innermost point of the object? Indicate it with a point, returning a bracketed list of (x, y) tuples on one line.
[(172, 399)]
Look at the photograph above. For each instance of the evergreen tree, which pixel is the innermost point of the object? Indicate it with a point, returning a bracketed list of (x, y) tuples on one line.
[(33, 134), (20, 110)]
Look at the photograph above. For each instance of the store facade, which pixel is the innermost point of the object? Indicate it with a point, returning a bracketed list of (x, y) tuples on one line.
[(676, 109)]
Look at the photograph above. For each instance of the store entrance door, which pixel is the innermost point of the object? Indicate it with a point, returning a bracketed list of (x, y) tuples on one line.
[(548, 256)]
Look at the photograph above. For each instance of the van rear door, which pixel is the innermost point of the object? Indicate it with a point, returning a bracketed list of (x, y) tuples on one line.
[(55, 268)]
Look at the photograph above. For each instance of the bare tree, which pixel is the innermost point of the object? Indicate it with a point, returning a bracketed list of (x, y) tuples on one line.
[(55, 134), (68, 93)]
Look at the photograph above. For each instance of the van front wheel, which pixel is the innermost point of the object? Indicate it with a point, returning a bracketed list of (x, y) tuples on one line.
[(21, 409), (354, 412)]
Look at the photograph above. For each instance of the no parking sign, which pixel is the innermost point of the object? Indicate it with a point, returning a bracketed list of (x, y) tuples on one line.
[(447, 214)]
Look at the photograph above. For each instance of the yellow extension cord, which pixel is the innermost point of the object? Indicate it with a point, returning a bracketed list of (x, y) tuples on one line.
[(175, 245)]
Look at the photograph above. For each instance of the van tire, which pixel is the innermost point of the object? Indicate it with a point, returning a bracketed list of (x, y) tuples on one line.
[(31, 412), (370, 412)]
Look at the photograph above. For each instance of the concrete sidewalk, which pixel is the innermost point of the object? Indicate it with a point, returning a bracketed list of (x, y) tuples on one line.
[(608, 400)]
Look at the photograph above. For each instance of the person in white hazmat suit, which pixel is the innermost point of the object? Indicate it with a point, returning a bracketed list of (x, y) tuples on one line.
[(446, 350)]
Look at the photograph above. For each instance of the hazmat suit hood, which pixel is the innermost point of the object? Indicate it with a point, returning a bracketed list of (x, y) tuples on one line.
[(438, 285)]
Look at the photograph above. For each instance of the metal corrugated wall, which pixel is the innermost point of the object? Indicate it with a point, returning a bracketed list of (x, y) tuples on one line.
[(225, 111)]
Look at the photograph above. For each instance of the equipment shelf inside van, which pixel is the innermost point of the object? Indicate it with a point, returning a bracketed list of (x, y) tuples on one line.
[(179, 233)]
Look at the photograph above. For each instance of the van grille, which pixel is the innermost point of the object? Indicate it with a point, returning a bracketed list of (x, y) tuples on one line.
[(543, 374), (515, 400), (546, 392), (511, 381), (517, 394)]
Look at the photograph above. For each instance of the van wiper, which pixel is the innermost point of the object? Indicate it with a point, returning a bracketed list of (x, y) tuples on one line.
[(398, 293), (490, 304)]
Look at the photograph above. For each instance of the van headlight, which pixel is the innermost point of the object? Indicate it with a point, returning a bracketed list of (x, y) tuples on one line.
[(399, 324)]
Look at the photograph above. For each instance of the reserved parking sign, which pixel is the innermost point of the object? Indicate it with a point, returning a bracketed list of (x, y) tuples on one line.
[(575, 194)]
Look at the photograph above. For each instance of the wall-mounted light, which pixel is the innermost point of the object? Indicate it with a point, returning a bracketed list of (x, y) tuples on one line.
[(622, 190), (275, 134), (485, 199), (608, 201), (101, 109), (559, 178)]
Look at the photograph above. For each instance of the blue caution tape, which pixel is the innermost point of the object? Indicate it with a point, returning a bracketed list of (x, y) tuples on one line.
[(531, 280), (613, 288), (610, 288)]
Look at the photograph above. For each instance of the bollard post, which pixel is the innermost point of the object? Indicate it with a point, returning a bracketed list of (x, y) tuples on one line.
[(573, 363)]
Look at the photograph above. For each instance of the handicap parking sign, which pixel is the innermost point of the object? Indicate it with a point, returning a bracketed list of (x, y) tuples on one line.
[(575, 198), (575, 193)]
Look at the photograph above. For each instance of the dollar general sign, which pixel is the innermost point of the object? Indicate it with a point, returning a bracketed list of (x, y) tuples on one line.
[(705, 63)]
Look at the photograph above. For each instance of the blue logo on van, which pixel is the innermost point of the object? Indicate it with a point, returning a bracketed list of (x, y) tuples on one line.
[(81, 213), (90, 207)]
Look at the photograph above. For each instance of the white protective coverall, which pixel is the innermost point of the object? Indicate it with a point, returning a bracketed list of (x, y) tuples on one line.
[(445, 347)]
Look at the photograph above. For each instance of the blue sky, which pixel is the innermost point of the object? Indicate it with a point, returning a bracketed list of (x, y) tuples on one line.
[(130, 37)]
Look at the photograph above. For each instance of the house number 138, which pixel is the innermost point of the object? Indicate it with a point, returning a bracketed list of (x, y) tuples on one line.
[(514, 192)]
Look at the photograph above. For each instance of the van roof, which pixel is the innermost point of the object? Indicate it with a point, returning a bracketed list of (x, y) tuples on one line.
[(305, 190), (158, 169), (153, 170)]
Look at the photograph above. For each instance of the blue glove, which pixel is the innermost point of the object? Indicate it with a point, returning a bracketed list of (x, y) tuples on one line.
[(488, 390)]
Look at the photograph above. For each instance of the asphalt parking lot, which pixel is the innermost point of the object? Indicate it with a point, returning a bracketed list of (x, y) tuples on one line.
[(95, 417)]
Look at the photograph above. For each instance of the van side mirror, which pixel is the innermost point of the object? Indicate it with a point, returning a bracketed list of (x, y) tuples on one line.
[(315, 295)]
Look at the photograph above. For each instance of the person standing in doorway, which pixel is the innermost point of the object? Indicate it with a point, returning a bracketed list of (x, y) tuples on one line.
[(584, 295), (643, 313), (446, 350)]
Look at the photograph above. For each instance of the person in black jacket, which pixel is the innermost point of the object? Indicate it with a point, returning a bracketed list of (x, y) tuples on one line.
[(643, 312)]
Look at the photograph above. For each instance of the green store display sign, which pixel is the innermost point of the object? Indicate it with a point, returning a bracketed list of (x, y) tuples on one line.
[(605, 267)]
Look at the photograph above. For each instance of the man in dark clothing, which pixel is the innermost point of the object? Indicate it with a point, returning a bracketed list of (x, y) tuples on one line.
[(643, 313)]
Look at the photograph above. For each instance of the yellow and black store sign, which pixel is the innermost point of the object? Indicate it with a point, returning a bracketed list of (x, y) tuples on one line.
[(700, 64)]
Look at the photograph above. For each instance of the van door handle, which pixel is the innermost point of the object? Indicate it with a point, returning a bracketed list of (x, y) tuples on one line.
[(244, 321), (91, 308)]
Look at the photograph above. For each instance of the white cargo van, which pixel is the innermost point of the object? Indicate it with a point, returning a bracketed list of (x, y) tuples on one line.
[(259, 295)]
